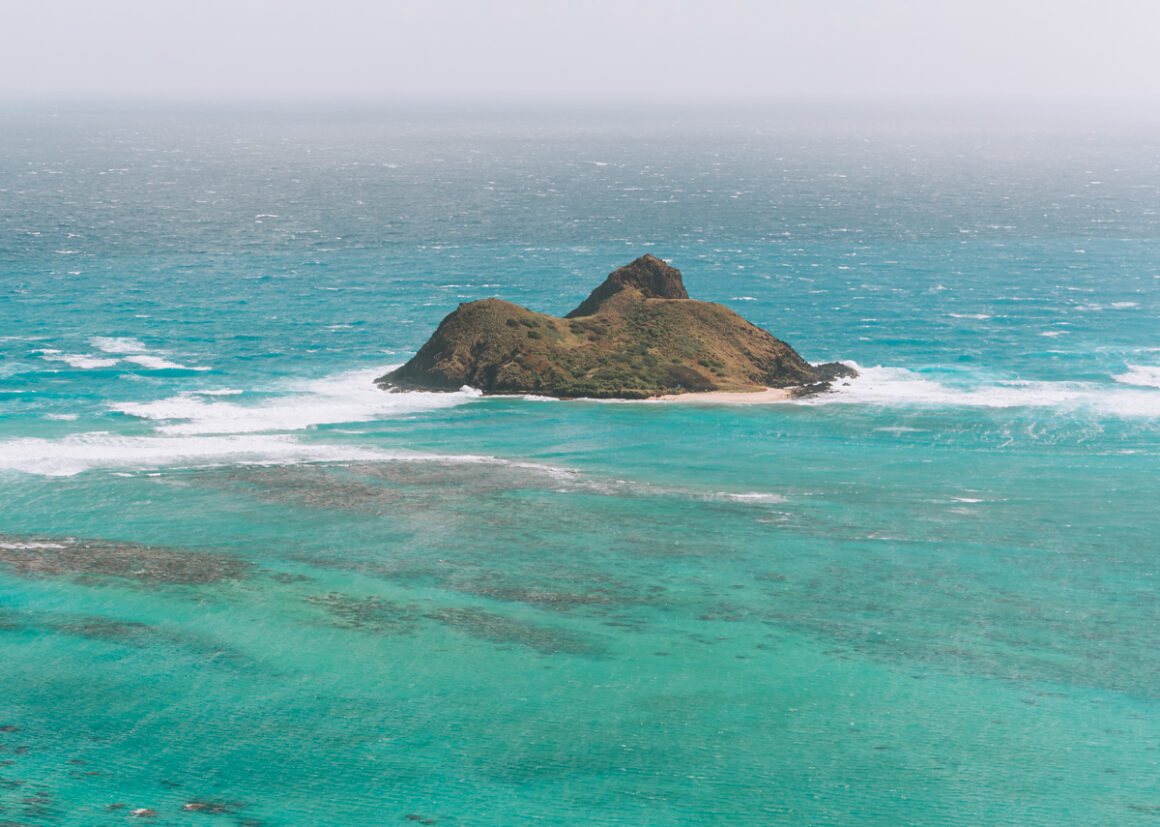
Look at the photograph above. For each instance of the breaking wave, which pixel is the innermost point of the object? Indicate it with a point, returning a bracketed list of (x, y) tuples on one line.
[(890, 386), (198, 428), (347, 397), (1142, 375)]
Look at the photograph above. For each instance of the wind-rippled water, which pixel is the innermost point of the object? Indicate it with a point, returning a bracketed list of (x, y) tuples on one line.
[(241, 585)]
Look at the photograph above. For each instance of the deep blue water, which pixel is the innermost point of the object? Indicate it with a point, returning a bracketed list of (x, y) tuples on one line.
[(235, 575)]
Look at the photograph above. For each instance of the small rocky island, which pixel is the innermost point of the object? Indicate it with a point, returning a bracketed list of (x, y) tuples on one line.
[(638, 335)]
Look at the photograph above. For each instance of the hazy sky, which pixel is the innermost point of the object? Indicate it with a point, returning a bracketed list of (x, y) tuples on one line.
[(596, 50)]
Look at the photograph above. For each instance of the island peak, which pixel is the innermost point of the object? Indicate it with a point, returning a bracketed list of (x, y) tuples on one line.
[(648, 276)]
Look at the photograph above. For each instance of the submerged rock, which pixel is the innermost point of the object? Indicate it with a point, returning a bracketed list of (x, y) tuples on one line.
[(212, 807), (637, 335), (38, 556)]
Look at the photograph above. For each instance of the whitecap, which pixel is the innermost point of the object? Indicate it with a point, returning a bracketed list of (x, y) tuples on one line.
[(1143, 375), (78, 453), (83, 452), (891, 386), (118, 344), (748, 497), (1096, 308), (158, 363), (344, 398), (81, 361)]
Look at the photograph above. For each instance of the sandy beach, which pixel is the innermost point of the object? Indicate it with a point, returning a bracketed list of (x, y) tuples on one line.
[(734, 397)]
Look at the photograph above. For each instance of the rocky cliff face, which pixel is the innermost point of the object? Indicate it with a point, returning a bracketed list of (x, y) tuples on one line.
[(637, 335)]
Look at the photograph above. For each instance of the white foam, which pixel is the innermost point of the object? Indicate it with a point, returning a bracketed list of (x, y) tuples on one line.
[(78, 453), (748, 497), (347, 397), (135, 351), (889, 386), (1143, 375), (30, 546), (118, 344), (199, 428), (1094, 307), (83, 452), (78, 360), (158, 363)]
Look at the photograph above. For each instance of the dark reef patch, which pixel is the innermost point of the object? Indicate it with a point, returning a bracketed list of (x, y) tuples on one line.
[(539, 597), (40, 556), (384, 617), (213, 807), (105, 628), (369, 613), (379, 487), (509, 631)]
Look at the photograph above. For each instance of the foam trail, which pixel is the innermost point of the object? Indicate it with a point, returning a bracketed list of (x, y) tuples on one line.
[(84, 452), (347, 397), (118, 344), (755, 497), (78, 453), (202, 428), (887, 386), (157, 363), (77, 360)]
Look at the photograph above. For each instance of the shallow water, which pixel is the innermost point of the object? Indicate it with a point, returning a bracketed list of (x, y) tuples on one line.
[(235, 575)]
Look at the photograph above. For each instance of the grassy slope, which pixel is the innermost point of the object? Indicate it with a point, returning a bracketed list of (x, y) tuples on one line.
[(632, 348)]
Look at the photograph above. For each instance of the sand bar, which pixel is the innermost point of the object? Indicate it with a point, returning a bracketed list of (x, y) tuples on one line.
[(732, 397)]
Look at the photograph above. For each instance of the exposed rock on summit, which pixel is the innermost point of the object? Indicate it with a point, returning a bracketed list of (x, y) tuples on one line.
[(637, 335), (648, 276)]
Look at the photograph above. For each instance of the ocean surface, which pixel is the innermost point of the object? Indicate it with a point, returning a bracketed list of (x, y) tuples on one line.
[(240, 585)]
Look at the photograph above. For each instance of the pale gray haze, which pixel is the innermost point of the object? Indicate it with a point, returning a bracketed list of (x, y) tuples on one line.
[(584, 50)]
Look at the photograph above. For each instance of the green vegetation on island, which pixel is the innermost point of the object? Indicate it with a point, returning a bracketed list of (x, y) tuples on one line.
[(638, 335)]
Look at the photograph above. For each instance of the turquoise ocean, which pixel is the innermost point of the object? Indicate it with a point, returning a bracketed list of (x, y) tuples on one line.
[(240, 585)]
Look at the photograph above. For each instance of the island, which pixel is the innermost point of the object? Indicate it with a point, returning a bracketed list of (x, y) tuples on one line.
[(637, 336)]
